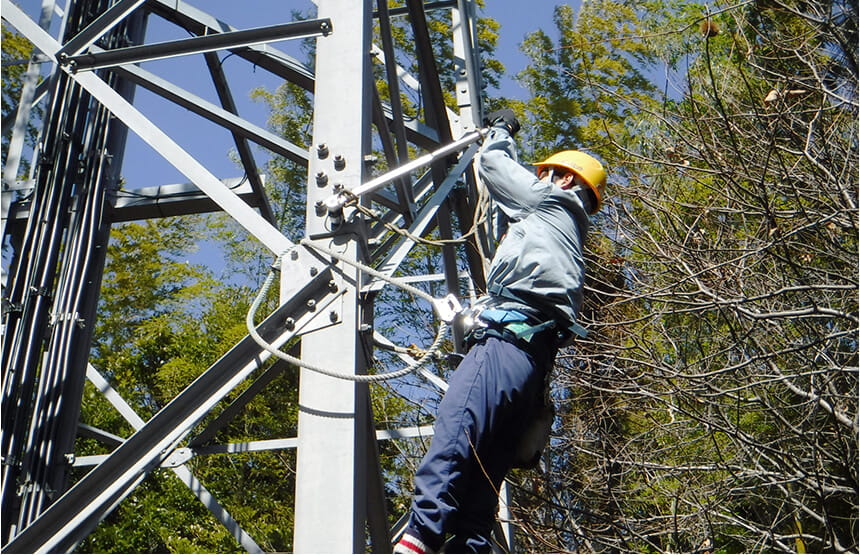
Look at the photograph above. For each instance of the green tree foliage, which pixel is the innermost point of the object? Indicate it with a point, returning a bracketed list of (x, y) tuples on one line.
[(143, 304), (163, 322), (714, 405), (16, 51), (583, 84)]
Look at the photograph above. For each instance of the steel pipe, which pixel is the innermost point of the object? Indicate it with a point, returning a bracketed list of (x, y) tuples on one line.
[(197, 45), (337, 201)]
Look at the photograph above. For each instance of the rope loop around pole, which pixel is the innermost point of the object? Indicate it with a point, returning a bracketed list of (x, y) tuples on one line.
[(361, 378)]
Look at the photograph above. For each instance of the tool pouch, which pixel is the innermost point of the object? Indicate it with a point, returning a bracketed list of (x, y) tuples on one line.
[(535, 437)]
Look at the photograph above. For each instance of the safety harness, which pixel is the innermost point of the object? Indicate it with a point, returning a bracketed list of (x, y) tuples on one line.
[(514, 326), (520, 324), (511, 325)]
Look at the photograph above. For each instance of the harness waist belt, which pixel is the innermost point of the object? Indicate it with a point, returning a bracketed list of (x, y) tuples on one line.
[(514, 321), (501, 291)]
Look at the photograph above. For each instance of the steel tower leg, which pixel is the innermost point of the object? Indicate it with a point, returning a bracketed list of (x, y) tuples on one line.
[(330, 511), (340, 499), (43, 378)]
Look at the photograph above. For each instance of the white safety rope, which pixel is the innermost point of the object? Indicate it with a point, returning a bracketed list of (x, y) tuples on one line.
[(446, 308), (479, 217), (439, 304)]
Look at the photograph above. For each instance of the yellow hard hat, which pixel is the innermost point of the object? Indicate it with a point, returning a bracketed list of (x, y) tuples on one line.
[(587, 167)]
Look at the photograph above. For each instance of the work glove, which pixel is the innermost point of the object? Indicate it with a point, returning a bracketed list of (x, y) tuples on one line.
[(504, 118)]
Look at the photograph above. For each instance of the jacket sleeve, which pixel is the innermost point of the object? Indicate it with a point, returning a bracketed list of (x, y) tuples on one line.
[(517, 191)]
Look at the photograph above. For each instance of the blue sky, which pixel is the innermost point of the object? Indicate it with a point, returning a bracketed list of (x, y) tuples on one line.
[(211, 145), (514, 28)]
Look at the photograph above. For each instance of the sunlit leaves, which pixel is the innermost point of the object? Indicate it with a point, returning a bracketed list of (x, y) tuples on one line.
[(723, 293), (16, 51)]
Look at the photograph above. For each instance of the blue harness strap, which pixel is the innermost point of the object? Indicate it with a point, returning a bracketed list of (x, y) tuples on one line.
[(501, 291), (514, 321), (500, 316), (527, 331)]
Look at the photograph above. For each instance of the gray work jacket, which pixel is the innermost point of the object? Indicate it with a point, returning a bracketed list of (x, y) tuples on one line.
[(540, 260)]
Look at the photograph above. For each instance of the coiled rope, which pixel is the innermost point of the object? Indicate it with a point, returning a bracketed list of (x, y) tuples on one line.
[(364, 378), (478, 218)]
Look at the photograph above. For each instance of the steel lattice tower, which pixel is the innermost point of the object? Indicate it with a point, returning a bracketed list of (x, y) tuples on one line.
[(56, 224)]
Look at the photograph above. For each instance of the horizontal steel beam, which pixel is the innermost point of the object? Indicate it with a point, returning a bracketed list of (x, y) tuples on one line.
[(264, 56), (197, 45), (173, 200), (154, 202), (292, 442), (268, 445)]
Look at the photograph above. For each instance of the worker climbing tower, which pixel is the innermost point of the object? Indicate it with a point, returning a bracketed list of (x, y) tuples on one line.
[(90, 59)]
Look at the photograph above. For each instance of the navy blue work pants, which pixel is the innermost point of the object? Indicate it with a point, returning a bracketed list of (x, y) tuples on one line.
[(491, 398)]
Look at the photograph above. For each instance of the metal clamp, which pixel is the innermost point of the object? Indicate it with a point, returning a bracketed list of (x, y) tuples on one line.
[(178, 457), (447, 308)]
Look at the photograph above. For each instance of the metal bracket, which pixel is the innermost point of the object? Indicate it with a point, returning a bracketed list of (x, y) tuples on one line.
[(178, 457), (352, 226)]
